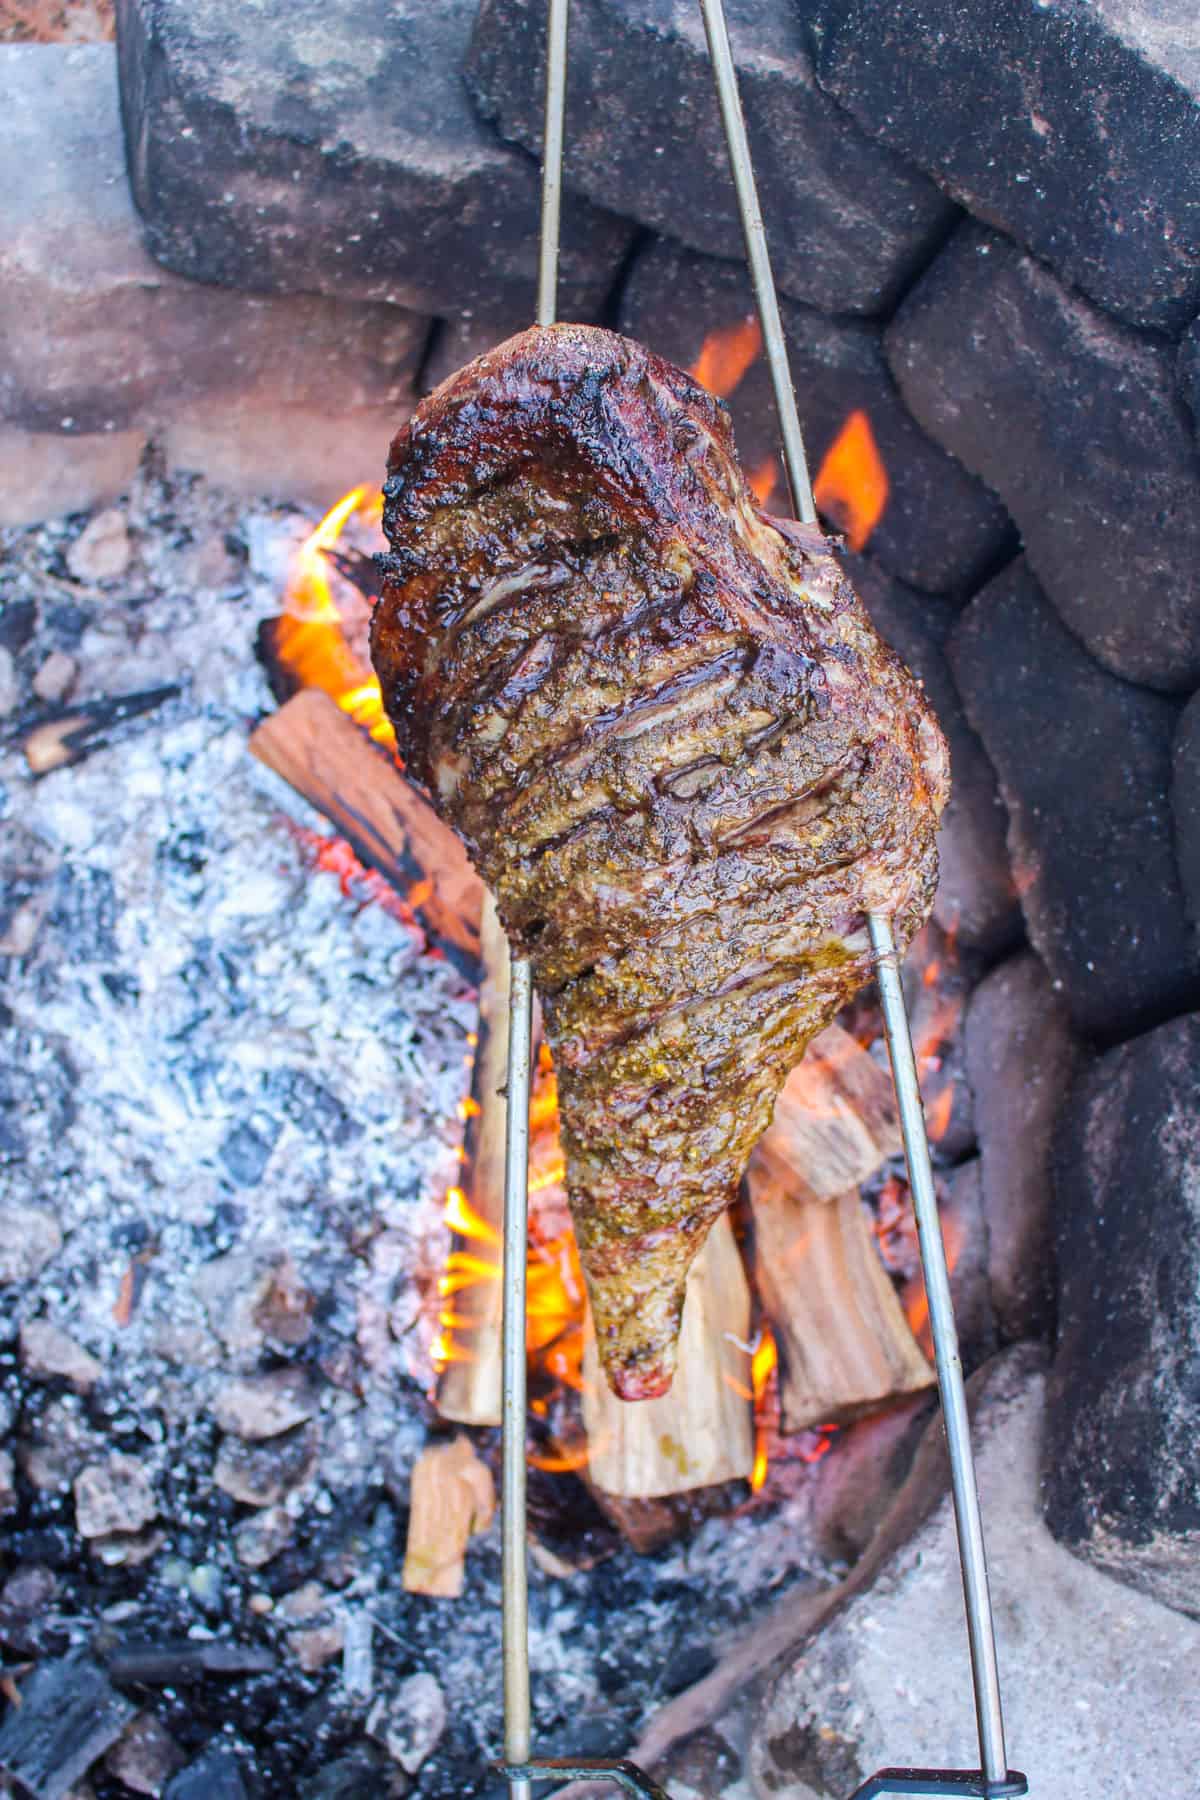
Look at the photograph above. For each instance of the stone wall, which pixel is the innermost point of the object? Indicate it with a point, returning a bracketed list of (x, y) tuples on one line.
[(986, 228)]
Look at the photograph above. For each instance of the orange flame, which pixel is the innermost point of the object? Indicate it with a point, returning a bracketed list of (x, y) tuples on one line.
[(852, 484), (311, 642), (763, 1366), (764, 480), (725, 356)]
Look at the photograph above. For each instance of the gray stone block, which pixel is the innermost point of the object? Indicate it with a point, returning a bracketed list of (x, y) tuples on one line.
[(1021, 1059), (1121, 1471), (1095, 1676), (847, 221), (329, 146), (1076, 128), (1185, 804), (1077, 424), (1084, 765), (976, 897), (941, 530)]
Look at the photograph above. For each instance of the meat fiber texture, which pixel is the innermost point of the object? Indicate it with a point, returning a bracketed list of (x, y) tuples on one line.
[(680, 756)]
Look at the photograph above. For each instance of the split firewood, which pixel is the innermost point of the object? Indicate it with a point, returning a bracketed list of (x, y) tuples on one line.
[(843, 1340), (701, 1433), (453, 1497), (468, 1388), (320, 752)]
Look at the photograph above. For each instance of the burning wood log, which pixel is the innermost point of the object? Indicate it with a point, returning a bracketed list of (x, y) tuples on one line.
[(321, 753), (453, 1497), (702, 1432), (468, 1388), (843, 1341)]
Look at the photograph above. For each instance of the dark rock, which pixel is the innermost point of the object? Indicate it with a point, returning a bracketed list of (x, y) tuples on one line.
[(312, 1107), (261, 1474), (329, 146), (84, 912), (941, 530), (1187, 372), (1185, 804), (247, 1149), (361, 1775), (1077, 424), (1021, 1060), (1084, 763), (1121, 1472), (97, 337), (1075, 128), (976, 897), (847, 222), (217, 1776), (69, 1715), (145, 1756)]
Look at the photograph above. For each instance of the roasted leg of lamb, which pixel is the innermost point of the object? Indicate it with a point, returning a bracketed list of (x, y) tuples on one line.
[(680, 756)]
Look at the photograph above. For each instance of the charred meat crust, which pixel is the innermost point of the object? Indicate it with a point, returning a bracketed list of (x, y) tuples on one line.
[(680, 756)]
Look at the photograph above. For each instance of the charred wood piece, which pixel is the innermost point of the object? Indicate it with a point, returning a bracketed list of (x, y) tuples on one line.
[(185, 1659), (217, 1776), (69, 1715), (66, 735)]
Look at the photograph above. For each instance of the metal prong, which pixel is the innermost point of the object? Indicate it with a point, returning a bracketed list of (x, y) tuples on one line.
[(945, 1346), (516, 1202), (757, 256), (552, 156)]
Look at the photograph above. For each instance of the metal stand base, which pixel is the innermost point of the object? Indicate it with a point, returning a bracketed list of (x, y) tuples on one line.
[(933, 1782)]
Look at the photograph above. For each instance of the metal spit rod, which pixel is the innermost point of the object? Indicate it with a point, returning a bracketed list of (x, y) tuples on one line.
[(517, 1715)]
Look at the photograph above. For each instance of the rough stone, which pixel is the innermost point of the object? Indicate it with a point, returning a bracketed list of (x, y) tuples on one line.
[(114, 1495), (965, 1235), (847, 223), (1090, 1669), (255, 1295), (1074, 128), (29, 1239), (1122, 1477), (853, 1486), (261, 1538), (1089, 822), (941, 529), (47, 1352), (329, 146), (1077, 424), (145, 1756), (976, 897), (320, 1635), (1185, 804), (410, 1720), (1021, 1060), (45, 474), (261, 1474), (360, 1775), (99, 339), (263, 1406), (56, 677), (62, 1442), (102, 550)]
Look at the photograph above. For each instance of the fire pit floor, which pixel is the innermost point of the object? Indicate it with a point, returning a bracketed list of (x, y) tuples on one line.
[(228, 1091)]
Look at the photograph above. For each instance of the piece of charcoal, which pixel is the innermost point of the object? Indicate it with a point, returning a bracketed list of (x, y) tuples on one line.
[(69, 1715), (217, 1776), (185, 1659)]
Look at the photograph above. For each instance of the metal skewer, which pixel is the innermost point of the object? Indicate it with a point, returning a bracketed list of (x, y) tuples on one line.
[(994, 1780)]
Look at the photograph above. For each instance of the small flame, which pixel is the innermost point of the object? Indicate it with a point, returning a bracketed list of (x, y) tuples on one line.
[(938, 1114), (852, 484), (311, 643), (763, 1369), (726, 355), (764, 480)]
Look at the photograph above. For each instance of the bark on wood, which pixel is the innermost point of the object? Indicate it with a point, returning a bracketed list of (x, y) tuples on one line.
[(453, 1496), (320, 752), (702, 1432), (844, 1343), (468, 1388)]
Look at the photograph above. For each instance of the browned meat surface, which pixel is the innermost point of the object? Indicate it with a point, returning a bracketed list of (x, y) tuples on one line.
[(680, 756)]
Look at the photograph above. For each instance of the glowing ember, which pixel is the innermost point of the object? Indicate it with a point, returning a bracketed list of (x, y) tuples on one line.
[(725, 356), (851, 487), (311, 642)]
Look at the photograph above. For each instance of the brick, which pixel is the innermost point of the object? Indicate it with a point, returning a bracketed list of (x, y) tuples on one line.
[(1124, 1405), (847, 221), (976, 897), (1075, 128), (1077, 424), (941, 530), (1084, 765), (329, 146)]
